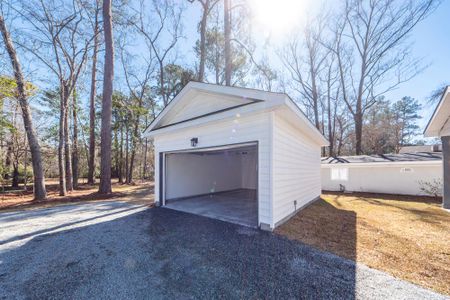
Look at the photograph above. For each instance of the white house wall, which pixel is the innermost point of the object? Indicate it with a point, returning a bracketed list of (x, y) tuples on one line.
[(296, 169), (400, 178), (196, 174), (231, 131)]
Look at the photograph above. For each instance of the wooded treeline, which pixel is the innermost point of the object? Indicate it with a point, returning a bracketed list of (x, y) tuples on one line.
[(96, 73)]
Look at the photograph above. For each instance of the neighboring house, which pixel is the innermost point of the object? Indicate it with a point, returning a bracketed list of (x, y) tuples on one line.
[(236, 154), (402, 174), (439, 126)]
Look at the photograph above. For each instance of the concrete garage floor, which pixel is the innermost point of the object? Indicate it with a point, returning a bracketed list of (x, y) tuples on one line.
[(239, 206)]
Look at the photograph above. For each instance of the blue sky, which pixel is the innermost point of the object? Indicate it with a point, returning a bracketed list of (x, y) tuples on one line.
[(430, 41)]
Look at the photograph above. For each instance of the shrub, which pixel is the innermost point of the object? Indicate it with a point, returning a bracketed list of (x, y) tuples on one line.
[(432, 187)]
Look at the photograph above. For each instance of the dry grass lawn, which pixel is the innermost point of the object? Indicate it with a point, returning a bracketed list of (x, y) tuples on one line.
[(408, 237), (140, 192)]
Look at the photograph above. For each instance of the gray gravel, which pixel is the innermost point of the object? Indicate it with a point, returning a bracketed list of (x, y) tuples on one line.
[(109, 250)]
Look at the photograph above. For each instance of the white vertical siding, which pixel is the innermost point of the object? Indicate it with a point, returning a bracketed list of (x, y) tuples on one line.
[(231, 131), (296, 168)]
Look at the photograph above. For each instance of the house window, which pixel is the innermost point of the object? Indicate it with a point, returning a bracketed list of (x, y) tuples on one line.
[(339, 174)]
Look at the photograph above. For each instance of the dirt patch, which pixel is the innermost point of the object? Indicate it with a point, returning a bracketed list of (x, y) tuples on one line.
[(138, 192), (407, 237)]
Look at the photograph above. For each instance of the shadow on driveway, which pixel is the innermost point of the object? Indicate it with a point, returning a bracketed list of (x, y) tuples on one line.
[(160, 253)]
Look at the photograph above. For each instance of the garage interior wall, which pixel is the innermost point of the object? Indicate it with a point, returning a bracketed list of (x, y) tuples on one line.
[(198, 173), (401, 179)]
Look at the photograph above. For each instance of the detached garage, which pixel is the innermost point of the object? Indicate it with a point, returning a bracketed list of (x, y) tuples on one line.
[(239, 155)]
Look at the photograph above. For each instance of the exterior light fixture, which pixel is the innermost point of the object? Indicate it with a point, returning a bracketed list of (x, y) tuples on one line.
[(194, 142)]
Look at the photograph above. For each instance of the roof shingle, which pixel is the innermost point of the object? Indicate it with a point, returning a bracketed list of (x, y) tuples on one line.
[(401, 157)]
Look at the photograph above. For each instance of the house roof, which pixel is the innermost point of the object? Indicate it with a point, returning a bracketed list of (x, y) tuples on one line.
[(193, 105), (384, 158), (441, 116)]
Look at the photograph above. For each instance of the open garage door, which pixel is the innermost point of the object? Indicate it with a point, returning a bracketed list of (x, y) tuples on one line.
[(218, 182)]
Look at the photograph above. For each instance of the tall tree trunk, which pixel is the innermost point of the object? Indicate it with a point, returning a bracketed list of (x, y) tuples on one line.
[(126, 154), (8, 160), (132, 156), (323, 130), (227, 36), (91, 162), (203, 23), (358, 116), (116, 152), (121, 155), (25, 168), (67, 148), (358, 132), (161, 84), (38, 171), (330, 128), (61, 163), (314, 92), (144, 167), (134, 142), (341, 136), (15, 175), (75, 141), (2, 140), (329, 116), (108, 77)]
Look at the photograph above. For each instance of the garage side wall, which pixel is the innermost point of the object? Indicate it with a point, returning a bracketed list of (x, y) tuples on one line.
[(402, 179), (296, 169), (251, 128)]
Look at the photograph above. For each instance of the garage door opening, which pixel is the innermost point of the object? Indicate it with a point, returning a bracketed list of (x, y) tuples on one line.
[(220, 183)]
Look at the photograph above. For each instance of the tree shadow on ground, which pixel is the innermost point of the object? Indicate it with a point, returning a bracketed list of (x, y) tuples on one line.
[(324, 226), (161, 253), (388, 197), (68, 224)]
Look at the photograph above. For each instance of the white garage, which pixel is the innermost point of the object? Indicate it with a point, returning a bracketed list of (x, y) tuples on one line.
[(239, 155)]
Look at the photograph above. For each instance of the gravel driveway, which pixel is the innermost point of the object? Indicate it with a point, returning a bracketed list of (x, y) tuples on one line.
[(106, 250)]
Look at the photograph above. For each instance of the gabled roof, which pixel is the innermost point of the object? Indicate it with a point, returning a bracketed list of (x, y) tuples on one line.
[(441, 116), (203, 102), (384, 158)]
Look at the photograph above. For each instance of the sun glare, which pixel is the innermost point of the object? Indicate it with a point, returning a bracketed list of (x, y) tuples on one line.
[(278, 16)]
